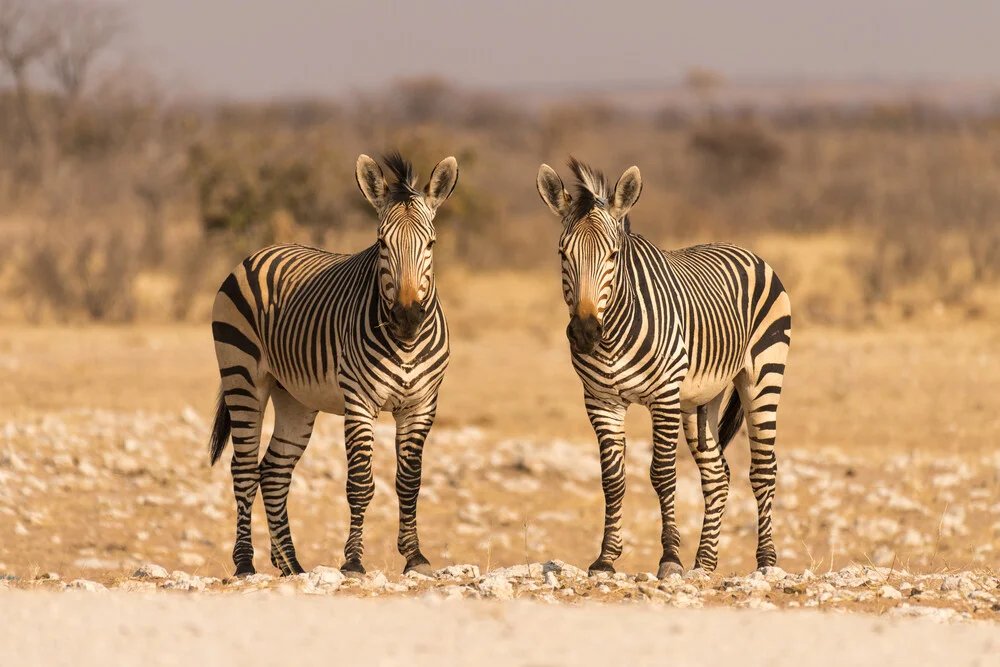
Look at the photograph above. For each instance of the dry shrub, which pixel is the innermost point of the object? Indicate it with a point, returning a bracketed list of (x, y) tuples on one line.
[(87, 275), (735, 152)]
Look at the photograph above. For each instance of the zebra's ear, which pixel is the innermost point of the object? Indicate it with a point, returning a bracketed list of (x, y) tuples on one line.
[(372, 182), (442, 183), (551, 189), (626, 193)]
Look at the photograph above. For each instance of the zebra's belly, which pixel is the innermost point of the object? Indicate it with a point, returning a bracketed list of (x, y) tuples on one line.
[(326, 397), (699, 389)]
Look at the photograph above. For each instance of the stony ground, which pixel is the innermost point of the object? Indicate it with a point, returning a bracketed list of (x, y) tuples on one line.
[(888, 499), (889, 592)]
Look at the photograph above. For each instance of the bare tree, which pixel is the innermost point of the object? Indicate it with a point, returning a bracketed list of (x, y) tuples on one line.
[(84, 31), (25, 38)]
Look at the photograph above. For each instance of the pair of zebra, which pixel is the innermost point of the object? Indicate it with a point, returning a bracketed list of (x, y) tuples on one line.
[(683, 333)]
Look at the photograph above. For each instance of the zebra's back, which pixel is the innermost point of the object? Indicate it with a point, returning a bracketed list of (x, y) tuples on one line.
[(728, 300), (285, 306)]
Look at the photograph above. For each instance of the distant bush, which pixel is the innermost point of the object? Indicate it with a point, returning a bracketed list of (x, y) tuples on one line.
[(735, 151)]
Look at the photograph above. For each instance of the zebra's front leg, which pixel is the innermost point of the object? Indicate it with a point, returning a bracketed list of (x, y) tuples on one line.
[(359, 435), (608, 420), (663, 473), (714, 483), (412, 426)]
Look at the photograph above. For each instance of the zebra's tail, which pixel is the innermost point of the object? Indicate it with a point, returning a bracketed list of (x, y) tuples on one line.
[(220, 430), (731, 420)]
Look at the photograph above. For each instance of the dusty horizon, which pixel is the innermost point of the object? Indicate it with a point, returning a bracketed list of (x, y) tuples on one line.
[(261, 48)]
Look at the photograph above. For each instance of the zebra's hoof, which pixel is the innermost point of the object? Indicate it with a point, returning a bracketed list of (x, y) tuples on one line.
[(766, 559), (599, 567), (668, 568), (244, 569), (420, 565), (353, 569)]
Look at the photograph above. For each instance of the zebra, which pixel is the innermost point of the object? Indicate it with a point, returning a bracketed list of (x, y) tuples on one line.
[(316, 331), (680, 332)]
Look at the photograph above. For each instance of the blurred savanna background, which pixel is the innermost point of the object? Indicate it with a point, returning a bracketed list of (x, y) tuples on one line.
[(146, 147)]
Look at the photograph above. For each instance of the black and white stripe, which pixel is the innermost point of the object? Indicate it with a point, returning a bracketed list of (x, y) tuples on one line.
[(683, 333), (314, 331)]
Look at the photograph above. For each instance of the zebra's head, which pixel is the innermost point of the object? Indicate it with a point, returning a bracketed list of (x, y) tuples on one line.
[(406, 235), (595, 224)]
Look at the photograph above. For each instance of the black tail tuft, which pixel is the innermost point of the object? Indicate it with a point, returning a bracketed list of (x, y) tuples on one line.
[(732, 419), (220, 430)]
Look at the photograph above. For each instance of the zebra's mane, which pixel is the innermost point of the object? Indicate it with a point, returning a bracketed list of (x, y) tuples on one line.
[(592, 189), (404, 187)]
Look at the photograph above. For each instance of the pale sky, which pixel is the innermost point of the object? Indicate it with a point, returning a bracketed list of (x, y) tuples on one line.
[(254, 48)]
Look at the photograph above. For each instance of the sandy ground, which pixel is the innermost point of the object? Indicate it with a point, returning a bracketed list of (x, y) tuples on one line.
[(888, 503), (120, 629)]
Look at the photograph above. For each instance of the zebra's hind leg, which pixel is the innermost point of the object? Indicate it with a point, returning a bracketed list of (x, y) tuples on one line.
[(714, 481), (412, 426), (359, 435), (608, 420), (293, 425), (663, 473), (760, 389), (246, 405)]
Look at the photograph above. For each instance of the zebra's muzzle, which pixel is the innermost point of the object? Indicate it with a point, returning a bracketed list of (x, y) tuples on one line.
[(584, 334), (404, 321)]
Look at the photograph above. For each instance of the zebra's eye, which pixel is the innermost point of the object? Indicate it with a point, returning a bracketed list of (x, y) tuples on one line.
[(613, 256), (381, 244), (562, 256), (430, 244)]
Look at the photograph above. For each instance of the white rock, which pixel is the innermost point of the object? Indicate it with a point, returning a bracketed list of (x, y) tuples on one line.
[(564, 570), (11, 459), (955, 583), (374, 581), (889, 593), (551, 579), (496, 585), (87, 469), (697, 574), (259, 578), (150, 571), (458, 572), (322, 580), (85, 585)]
